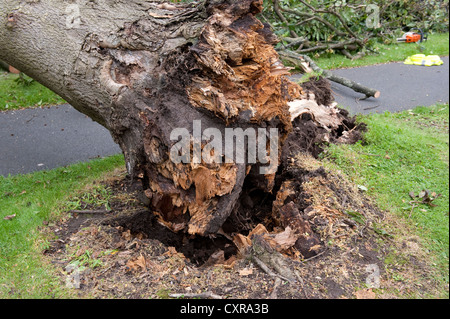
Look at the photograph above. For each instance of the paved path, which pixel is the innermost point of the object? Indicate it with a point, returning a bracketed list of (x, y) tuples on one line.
[(37, 139)]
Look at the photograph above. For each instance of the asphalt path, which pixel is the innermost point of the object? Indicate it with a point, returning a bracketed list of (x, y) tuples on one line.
[(41, 139)]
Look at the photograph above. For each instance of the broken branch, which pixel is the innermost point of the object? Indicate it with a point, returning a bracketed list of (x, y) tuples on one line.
[(267, 270), (357, 87), (334, 21)]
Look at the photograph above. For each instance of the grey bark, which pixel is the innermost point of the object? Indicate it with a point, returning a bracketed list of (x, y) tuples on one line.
[(77, 49)]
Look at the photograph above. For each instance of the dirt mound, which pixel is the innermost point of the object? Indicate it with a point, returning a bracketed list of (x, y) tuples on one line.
[(321, 88)]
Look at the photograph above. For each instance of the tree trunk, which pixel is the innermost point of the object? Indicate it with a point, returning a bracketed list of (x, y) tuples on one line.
[(143, 69)]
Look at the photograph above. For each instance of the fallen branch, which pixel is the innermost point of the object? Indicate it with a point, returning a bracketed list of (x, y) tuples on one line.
[(335, 46), (203, 295), (353, 57), (313, 257), (348, 39), (295, 42), (313, 17), (264, 256), (357, 87), (371, 108), (277, 9)]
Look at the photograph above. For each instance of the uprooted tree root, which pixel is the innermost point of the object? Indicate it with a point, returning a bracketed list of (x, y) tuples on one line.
[(277, 228)]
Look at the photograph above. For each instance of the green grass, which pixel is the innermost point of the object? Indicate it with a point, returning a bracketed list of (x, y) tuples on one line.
[(34, 199), (17, 94), (402, 153), (437, 44)]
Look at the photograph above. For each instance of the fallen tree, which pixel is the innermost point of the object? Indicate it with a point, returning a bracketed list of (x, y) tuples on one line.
[(151, 72)]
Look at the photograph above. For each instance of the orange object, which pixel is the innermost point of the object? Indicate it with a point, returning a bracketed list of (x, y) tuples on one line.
[(13, 70), (415, 37), (412, 37)]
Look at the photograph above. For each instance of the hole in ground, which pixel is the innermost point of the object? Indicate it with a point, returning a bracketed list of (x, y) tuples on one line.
[(254, 207), (196, 249)]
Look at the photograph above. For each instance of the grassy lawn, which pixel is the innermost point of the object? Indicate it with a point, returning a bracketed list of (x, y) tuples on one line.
[(437, 44), (35, 200), (17, 94), (402, 153)]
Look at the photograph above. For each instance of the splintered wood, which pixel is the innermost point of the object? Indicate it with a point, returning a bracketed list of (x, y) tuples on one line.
[(249, 75)]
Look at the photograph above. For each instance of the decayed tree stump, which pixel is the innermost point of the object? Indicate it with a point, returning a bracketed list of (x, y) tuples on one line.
[(143, 69)]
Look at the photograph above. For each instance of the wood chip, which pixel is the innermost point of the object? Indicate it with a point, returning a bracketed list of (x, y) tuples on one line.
[(287, 238), (246, 272)]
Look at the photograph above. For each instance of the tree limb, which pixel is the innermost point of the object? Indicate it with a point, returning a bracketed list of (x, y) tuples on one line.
[(277, 9), (341, 29), (357, 87)]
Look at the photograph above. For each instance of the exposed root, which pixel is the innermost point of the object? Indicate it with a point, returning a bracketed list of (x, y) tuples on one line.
[(266, 257)]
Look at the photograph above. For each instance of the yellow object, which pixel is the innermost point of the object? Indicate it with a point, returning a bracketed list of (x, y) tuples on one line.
[(422, 59)]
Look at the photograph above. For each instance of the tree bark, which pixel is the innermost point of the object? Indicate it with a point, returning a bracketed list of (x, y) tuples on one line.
[(145, 68)]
